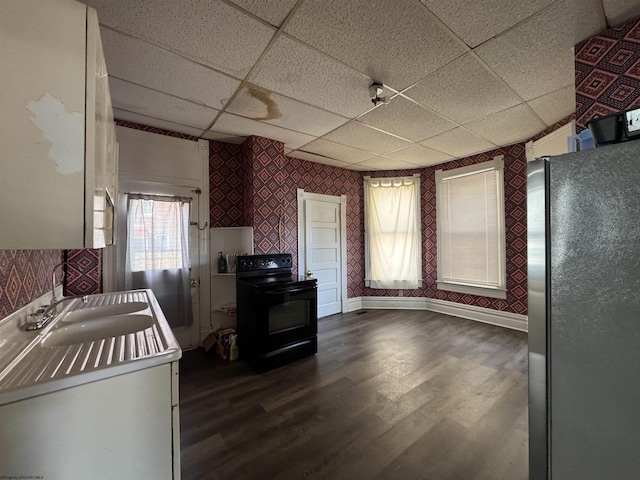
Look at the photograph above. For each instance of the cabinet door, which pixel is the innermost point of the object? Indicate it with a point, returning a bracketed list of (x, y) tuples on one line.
[(98, 224), (42, 145)]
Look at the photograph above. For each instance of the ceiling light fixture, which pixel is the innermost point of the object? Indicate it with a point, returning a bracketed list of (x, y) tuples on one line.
[(376, 90)]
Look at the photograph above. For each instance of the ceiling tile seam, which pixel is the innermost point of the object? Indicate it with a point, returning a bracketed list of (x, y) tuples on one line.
[(161, 119), (493, 73), (301, 147), (430, 110), (244, 81), (516, 25), (446, 28), (386, 155), (199, 104), (403, 92), (182, 55), (337, 60), (477, 135), (278, 126), (504, 82), (572, 84), (368, 126), (248, 13)]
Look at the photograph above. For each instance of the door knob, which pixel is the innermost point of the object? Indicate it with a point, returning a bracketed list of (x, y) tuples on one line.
[(193, 283), (309, 273)]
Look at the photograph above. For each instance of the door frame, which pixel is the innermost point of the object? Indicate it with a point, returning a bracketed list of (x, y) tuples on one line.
[(160, 159), (341, 200)]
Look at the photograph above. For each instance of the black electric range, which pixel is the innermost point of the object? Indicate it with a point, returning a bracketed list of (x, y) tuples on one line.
[(277, 316)]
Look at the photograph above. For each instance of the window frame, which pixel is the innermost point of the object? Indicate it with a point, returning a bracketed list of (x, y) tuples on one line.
[(475, 288)]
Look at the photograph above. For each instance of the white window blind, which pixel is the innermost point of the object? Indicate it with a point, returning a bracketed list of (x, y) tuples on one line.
[(393, 245), (471, 235)]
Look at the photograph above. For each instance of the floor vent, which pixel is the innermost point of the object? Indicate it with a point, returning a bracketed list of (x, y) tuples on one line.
[(361, 312)]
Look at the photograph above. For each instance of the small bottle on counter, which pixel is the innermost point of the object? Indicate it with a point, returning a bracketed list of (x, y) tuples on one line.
[(222, 264)]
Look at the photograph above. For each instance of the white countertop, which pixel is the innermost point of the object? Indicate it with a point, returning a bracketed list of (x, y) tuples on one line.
[(28, 367)]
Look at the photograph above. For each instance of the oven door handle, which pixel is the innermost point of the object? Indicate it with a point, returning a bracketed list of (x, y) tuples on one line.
[(292, 290)]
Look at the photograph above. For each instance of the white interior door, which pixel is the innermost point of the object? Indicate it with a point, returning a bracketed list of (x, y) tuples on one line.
[(187, 336), (323, 253)]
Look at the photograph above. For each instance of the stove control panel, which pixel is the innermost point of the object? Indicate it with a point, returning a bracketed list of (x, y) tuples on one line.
[(248, 263)]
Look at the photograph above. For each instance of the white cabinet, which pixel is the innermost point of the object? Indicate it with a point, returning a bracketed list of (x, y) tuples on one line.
[(229, 241), (58, 154), (125, 427)]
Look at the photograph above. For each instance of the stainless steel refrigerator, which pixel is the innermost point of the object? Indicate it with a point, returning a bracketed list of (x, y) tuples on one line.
[(584, 314)]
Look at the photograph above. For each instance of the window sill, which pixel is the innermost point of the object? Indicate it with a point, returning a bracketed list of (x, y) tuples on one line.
[(491, 292)]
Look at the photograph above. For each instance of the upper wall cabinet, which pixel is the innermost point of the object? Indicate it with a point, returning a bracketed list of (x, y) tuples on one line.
[(58, 150)]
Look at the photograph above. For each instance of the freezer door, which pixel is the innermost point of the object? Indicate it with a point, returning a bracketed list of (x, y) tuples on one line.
[(537, 231), (594, 327)]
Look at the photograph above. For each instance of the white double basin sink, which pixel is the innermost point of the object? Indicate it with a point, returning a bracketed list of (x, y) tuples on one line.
[(110, 334), (96, 323)]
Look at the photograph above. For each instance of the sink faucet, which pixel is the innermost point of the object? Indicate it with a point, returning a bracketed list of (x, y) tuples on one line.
[(50, 312)]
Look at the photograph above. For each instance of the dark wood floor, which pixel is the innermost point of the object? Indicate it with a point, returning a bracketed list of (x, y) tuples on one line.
[(390, 395)]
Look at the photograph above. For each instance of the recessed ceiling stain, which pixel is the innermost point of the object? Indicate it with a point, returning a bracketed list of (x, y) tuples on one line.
[(264, 96)]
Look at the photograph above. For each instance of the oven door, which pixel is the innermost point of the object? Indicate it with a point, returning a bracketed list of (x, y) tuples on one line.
[(290, 315)]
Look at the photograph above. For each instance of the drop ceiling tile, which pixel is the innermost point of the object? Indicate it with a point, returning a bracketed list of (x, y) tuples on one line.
[(360, 136), (536, 56), (300, 72), (516, 124), (336, 151), (144, 64), (406, 119), (317, 159), (555, 106), (459, 143), (357, 166), (224, 137), (384, 163), (419, 155), (464, 91), (272, 11), (240, 126), (396, 43), (619, 11), (141, 100), (211, 32), (261, 104), (476, 22), (154, 122)]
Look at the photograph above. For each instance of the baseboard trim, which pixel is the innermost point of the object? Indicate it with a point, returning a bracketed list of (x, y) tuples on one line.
[(510, 320), (514, 321), (352, 304)]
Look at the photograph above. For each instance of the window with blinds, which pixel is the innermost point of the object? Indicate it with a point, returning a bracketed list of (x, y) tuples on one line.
[(471, 232)]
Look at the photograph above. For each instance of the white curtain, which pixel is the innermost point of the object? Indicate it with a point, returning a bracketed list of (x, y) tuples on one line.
[(158, 252), (393, 247)]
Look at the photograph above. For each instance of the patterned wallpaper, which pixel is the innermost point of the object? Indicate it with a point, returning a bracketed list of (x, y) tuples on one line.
[(264, 164), (84, 273), (159, 131), (225, 185), (276, 178), (24, 276), (247, 174), (608, 72)]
